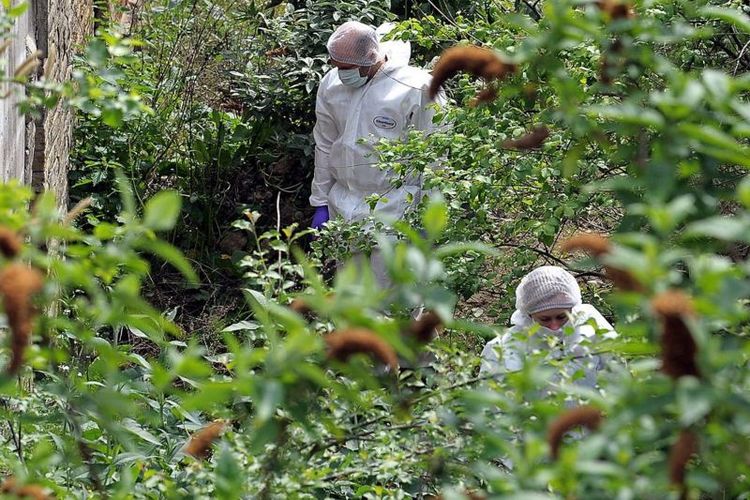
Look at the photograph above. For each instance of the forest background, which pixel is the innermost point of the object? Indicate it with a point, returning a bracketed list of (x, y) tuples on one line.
[(167, 363)]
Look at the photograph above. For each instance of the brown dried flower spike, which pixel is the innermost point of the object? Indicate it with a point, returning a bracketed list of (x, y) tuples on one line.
[(300, 306), (10, 243), (678, 348), (582, 416), (487, 94), (200, 442), (424, 328), (18, 283), (532, 140), (616, 9), (478, 61), (682, 450), (592, 243), (10, 486), (597, 246), (342, 345)]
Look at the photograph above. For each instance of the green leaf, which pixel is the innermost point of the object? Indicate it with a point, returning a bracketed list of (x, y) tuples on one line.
[(459, 248), (722, 228), (169, 254), (242, 325), (229, 475), (139, 431), (694, 400), (732, 16), (529, 495), (112, 117), (743, 192), (162, 210), (435, 219), (272, 394), (18, 10)]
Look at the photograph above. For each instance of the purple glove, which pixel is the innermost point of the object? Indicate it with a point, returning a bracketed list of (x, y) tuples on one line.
[(321, 217)]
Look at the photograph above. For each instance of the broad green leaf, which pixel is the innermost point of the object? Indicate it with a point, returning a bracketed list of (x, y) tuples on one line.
[(743, 192), (229, 476), (139, 431), (722, 228), (271, 396), (171, 255), (734, 17), (435, 219), (458, 248), (242, 325), (694, 400), (162, 210)]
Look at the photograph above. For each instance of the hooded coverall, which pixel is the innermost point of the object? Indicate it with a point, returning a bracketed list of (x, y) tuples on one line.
[(512, 347), (351, 120)]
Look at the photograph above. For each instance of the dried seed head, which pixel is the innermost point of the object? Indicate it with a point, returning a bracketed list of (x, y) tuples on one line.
[(34, 491), (18, 283), (487, 94), (623, 279), (425, 328), (478, 61), (532, 140), (341, 345), (606, 70), (598, 245), (299, 306), (49, 63), (4, 45), (77, 210), (582, 416), (200, 442), (10, 243), (592, 243), (616, 9), (673, 303), (28, 65), (277, 52), (678, 348), (685, 447)]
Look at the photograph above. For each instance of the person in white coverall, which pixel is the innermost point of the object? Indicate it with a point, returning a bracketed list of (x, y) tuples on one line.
[(550, 297), (371, 94)]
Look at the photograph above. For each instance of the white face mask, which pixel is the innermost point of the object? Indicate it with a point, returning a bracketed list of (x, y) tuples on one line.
[(544, 331), (352, 78)]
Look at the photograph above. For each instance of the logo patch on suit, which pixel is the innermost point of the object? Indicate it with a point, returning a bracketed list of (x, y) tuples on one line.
[(384, 122)]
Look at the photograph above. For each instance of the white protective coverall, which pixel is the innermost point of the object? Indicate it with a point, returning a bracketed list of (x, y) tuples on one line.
[(505, 353), (351, 120), (546, 288)]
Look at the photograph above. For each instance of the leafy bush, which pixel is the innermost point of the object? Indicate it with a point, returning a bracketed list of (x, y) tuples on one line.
[(651, 150)]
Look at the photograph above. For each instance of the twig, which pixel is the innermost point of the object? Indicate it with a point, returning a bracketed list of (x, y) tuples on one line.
[(547, 255), (534, 13), (278, 231), (16, 438), (739, 58)]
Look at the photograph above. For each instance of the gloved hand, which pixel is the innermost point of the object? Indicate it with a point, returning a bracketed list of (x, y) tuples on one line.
[(321, 217)]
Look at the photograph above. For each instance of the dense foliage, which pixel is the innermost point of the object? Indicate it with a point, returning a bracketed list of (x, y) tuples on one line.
[(646, 110)]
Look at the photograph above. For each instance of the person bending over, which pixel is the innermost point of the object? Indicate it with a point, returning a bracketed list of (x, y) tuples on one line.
[(549, 316)]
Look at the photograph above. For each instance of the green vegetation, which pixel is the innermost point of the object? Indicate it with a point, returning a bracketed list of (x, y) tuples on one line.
[(146, 379)]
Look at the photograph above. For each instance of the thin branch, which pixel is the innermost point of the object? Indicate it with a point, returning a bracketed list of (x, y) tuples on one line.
[(739, 58)]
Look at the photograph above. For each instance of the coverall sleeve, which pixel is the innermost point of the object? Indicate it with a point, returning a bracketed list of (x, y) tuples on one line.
[(490, 360), (325, 133)]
